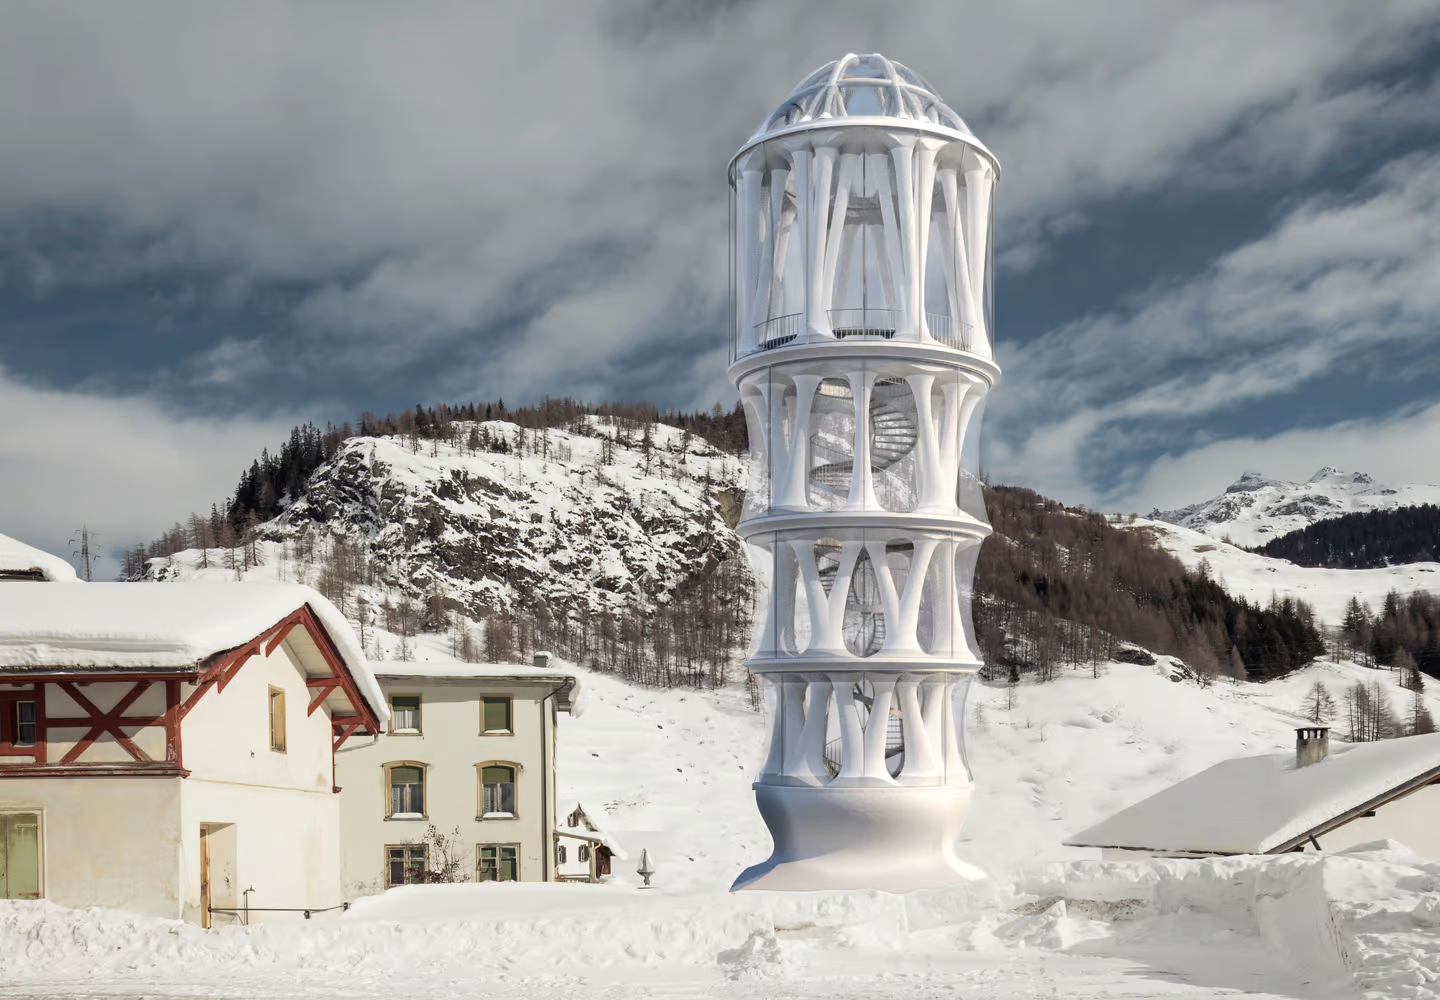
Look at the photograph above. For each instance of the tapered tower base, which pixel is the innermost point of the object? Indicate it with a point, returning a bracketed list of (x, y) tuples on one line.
[(891, 838)]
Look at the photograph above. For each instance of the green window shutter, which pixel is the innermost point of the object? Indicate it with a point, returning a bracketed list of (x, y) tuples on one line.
[(508, 864), (20, 856), (495, 715)]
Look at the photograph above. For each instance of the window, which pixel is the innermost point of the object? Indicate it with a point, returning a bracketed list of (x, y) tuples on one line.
[(405, 864), (406, 781), (559, 854), (497, 791), (277, 720), (584, 852), (498, 863), (25, 723), (405, 714), (495, 715)]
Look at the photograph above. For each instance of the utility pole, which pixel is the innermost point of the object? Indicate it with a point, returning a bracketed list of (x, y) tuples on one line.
[(84, 538)]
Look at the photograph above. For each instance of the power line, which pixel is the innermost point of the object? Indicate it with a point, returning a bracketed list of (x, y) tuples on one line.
[(86, 539)]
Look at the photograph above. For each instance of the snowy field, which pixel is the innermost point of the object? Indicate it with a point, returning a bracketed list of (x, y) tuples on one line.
[(670, 771), (1256, 578)]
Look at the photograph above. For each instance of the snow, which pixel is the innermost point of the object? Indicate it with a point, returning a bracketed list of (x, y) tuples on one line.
[(1253, 509), (18, 558), (670, 771), (1253, 805), (1257, 577), (589, 829), (172, 626)]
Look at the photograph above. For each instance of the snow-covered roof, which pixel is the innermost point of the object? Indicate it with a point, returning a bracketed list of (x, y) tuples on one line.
[(160, 626), (1254, 805), (567, 684), (18, 560), (590, 831)]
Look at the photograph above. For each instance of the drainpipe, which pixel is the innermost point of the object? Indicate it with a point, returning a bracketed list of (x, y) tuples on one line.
[(547, 808)]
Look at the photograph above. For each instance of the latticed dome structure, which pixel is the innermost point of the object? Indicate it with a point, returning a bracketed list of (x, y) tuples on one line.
[(861, 348), (868, 86)]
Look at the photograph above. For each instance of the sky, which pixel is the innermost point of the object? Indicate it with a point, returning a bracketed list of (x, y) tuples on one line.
[(1216, 232)]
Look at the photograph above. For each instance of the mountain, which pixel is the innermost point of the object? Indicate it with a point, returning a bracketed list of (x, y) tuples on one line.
[(1253, 510), (1368, 540)]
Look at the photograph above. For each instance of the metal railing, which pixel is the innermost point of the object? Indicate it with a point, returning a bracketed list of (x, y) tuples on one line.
[(864, 323), (858, 324), (779, 331), (947, 331), (244, 911)]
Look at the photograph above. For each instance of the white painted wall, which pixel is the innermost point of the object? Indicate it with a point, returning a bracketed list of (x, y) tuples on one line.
[(287, 847), (1413, 820), (112, 842), (451, 746)]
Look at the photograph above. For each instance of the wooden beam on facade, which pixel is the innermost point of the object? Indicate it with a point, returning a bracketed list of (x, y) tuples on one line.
[(322, 691), (103, 722)]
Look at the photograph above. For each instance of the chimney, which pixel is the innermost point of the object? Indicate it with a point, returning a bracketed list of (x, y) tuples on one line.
[(542, 659), (1312, 743)]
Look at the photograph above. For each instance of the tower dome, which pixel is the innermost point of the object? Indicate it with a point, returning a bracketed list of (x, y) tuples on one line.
[(864, 88)]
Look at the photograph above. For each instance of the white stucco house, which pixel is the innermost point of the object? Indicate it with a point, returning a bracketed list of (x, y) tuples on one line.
[(583, 851), (1314, 799), (470, 751), (170, 748)]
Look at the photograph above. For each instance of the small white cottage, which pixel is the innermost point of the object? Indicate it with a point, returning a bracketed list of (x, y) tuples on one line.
[(583, 851), (1313, 799), (170, 748)]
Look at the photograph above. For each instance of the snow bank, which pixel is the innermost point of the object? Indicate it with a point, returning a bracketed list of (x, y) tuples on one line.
[(1363, 915)]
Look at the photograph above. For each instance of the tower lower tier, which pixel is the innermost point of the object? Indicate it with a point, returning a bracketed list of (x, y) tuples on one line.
[(895, 839)]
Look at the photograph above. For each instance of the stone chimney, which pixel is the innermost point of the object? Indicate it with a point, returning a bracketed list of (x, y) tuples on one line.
[(1312, 743), (543, 660)]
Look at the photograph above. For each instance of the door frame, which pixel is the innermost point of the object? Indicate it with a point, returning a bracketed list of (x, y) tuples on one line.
[(205, 875)]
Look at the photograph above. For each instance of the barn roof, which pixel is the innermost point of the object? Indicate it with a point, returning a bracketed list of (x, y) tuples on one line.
[(1262, 804), (162, 626)]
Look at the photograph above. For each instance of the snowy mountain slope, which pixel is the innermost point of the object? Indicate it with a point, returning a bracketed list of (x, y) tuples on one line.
[(609, 518), (1257, 577), (1253, 509)]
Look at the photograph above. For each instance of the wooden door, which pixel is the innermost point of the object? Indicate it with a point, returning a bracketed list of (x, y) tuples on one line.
[(204, 876)]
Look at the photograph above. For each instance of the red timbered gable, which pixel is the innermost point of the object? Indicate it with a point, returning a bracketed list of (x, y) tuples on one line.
[(128, 721)]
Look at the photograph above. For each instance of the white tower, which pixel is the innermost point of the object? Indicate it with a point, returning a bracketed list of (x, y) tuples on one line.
[(861, 346)]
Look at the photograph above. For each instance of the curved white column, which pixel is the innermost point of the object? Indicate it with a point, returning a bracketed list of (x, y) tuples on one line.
[(862, 484)]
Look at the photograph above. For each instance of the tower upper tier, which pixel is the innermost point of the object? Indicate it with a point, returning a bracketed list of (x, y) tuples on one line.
[(861, 221)]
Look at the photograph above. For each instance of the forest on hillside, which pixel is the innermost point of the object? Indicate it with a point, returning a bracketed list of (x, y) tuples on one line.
[(1366, 540), (1058, 586)]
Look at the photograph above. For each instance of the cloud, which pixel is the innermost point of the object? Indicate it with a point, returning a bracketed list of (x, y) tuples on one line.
[(1337, 285), (121, 465), (546, 180), (1399, 448)]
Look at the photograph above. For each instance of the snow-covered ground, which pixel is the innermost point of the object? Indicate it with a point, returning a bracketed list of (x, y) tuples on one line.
[(1257, 577), (670, 771)]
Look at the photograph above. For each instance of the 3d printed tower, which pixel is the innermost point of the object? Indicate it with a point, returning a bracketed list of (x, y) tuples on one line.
[(861, 346)]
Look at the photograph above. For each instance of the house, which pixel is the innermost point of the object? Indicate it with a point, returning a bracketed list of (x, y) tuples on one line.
[(1313, 799), (19, 563), (470, 752), (170, 748), (582, 850)]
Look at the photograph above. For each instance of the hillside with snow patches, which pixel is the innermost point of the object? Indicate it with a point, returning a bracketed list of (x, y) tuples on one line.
[(1254, 509), (608, 516), (1257, 578)]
